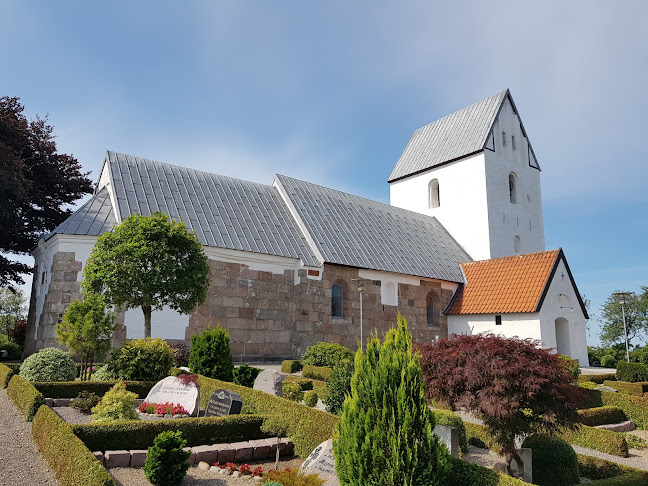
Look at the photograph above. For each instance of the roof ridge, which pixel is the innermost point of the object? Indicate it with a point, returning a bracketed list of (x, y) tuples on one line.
[(511, 257)]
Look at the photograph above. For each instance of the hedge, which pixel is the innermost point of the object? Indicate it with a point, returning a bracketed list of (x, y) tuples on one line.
[(632, 372), (625, 386), (600, 378), (71, 389), (606, 473), (14, 366), (5, 375), (67, 456), (601, 415), (446, 417), (307, 427), (291, 366), (467, 474), (322, 373), (598, 398), (140, 434), (25, 397), (319, 386), (596, 439)]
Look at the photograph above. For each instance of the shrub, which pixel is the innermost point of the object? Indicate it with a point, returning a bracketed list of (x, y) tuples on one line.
[(292, 477), (292, 391), (598, 439), (142, 360), (632, 372), (322, 373), (71, 389), (310, 398), (570, 365), (49, 364), (85, 401), (291, 366), (165, 460), (210, 354), (599, 398), (25, 397), (601, 415), (339, 386), (606, 473), (608, 361), (5, 375), (467, 474), (116, 404), (304, 384), (385, 429), (66, 455), (245, 375), (180, 354), (451, 419), (600, 378), (103, 373), (14, 351), (554, 461), (633, 388), (326, 354)]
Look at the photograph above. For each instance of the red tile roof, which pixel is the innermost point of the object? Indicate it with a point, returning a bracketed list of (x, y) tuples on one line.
[(504, 285)]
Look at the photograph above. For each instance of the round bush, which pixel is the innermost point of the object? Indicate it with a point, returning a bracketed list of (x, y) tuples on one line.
[(142, 360), (310, 398), (210, 354), (117, 404), (49, 364), (326, 354), (554, 461), (165, 460), (608, 361), (245, 375), (292, 391)]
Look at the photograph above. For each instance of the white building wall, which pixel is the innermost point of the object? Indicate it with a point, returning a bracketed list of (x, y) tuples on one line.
[(506, 219), (463, 208), (521, 325)]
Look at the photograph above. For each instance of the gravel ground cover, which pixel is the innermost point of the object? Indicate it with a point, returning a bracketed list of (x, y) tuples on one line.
[(20, 461)]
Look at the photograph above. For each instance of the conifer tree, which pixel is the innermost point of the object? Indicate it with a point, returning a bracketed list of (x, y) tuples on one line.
[(385, 430)]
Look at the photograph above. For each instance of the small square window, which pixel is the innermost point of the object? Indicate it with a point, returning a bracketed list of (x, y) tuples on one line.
[(498, 320)]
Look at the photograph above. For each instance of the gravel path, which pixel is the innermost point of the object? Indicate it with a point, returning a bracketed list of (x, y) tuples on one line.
[(20, 461)]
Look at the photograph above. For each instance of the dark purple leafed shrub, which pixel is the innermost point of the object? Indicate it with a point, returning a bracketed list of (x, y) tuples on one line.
[(180, 354)]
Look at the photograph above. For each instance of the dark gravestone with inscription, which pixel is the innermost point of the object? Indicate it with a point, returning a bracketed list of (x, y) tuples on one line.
[(223, 402)]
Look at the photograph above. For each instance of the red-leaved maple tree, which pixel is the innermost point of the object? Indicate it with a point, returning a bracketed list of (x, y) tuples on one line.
[(513, 385)]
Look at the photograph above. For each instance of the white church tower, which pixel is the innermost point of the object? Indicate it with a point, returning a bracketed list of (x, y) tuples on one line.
[(475, 171)]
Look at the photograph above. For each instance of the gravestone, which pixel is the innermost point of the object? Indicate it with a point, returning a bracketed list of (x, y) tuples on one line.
[(448, 436), (322, 463), (223, 402), (173, 390), (270, 381)]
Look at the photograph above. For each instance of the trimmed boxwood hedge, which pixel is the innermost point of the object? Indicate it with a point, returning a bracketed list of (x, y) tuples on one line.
[(467, 474), (627, 387), (69, 458), (632, 372), (446, 417), (606, 473), (600, 378), (25, 397), (5, 375), (319, 386), (322, 373), (291, 366), (598, 398), (140, 434), (601, 415), (71, 389)]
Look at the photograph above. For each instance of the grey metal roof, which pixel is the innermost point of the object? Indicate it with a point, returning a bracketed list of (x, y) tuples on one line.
[(93, 218), (454, 136), (224, 212), (353, 231)]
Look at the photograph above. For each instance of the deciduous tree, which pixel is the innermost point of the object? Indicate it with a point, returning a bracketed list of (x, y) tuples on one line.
[(513, 385), (148, 262), (36, 182), (636, 315)]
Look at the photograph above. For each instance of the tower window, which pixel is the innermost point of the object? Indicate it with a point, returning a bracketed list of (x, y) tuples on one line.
[(337, 300), (512, 188), (504, 138), (434, 200), (430, 310), (513, 142), (517, 245)]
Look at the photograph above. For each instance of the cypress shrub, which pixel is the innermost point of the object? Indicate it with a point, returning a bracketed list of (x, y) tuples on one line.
[(385, 429), (554, 461), (632, 372), (165, 460), (210, 354)]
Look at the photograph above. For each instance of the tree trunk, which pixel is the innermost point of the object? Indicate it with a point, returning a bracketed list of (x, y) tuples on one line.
[(147, 320)]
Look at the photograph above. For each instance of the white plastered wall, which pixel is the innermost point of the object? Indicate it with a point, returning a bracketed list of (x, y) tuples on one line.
[(521, 325), (463, 208)]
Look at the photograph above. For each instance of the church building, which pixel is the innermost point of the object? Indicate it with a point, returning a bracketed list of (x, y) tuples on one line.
[(460, 249)]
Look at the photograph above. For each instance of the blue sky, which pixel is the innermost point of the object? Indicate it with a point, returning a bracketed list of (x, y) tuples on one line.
[(330, 92)]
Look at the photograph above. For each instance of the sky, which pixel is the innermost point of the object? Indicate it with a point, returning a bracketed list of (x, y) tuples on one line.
[(330, 92)]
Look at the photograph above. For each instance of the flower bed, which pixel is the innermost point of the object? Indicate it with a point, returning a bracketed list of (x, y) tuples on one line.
[(163, 409)]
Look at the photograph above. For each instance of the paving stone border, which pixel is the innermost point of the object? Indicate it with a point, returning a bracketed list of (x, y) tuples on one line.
[(239, 452)]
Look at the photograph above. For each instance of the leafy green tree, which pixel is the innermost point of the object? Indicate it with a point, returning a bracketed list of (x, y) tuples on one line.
[(35, 183), (12, 309), (385, 429), (148, 262), (636, 315), (87, 330)]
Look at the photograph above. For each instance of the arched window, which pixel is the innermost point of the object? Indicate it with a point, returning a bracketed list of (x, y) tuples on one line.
[(337, 300), (517, 245), (430, 311), (513, 188), (433, 194)]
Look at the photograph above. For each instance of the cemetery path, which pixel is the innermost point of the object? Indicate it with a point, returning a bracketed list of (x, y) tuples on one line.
[(20, 461)]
